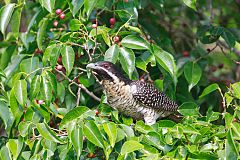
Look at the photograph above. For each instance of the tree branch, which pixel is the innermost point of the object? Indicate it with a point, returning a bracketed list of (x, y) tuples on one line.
[(79, 85)]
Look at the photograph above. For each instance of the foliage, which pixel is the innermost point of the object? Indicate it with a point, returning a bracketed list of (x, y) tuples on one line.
[(50, 105)]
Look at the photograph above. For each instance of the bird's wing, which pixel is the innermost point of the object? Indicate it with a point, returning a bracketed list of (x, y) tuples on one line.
[(148, 95)]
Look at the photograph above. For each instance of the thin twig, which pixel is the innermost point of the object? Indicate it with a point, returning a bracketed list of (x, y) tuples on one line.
[(78, 95), (79, 85)]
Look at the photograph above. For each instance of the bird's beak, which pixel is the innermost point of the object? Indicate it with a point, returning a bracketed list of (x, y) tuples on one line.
[(91, 65)]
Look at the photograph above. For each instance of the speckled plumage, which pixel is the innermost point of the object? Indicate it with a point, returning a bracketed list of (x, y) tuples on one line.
[(137, 99)]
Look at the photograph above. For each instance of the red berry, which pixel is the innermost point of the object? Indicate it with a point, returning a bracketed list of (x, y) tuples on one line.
[(58, 11), (62, 16), (96, 112), (116, 39), (38, 51), (94, 25), (59, 60), (220, 66), (112, 21), (185, 53), (126, 1), (55, 23), (40, 101), (59, 67)]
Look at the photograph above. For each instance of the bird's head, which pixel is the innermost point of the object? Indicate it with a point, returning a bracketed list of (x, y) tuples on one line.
[(106, 71)]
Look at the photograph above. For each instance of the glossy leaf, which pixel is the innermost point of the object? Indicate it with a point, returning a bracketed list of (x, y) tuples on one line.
[(236, 89), (35, 87), (134, 42), (77, 140), (209, 90), (127, 60), (16, 18), (88, 6), (75, 6), (191, 4), (48, 4), (20, 91), (231, 150), (112, 54), (192, 73), (23, 128), (15, 108), (15, 146), (47, 133), (111, 130), (5, 153), (4, 114), (68, 57), (188, 109), (73, 114), (166, 61), (41, 33), (131, 146), (93, 134), (46, 89), (29, 65), (5, 16)]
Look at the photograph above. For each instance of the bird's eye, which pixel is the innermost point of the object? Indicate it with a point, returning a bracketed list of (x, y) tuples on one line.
[(106, 66)]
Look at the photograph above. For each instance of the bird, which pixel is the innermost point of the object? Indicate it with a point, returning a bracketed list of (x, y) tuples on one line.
[(135, 98)]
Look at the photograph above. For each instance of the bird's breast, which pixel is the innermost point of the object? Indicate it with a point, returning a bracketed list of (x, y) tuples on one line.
[(119, 96)]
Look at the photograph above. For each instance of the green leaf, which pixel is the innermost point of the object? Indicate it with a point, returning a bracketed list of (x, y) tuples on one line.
[(5, 153), (228, 37), (47, 133), (88, 6), (68, 57), (20, 91), (112, 54), (75, 6), (134, 42), (46, 89), (77, 140), (236, 90), (15, 108), (23, 128), (111, 129), (41, 32), (131, 146), (35, 87), (231, 150), (100, 30), (166, 61), (16, 59), (15, 146), (29, 65), (127, 60), (73, 114), (192, 73), (75, 24), (4, 114), (209, 90), (6, 14), (48, 4), (52, 80), (142, 127), (16, 18), (93, 134), (188, 109), (191, 4), (51, 54)]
